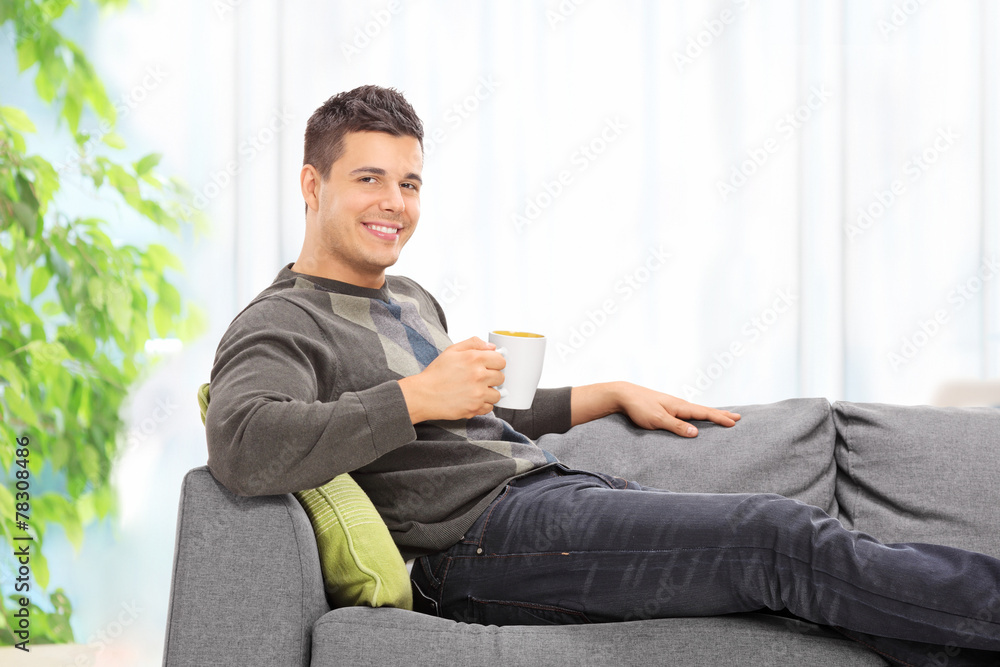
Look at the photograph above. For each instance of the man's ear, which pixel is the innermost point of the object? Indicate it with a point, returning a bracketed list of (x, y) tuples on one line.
[(309, 182)]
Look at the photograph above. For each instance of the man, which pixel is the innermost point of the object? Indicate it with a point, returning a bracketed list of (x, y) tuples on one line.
[(337, 367)]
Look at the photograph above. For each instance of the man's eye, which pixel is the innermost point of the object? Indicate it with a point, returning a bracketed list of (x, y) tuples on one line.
[(368, 179), (412, 186)]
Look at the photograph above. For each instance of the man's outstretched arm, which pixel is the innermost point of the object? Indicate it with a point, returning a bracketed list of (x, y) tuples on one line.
[(649, 409), (459, 384)]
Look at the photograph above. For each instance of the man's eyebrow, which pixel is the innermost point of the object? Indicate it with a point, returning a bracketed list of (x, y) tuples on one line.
[(379, 171)]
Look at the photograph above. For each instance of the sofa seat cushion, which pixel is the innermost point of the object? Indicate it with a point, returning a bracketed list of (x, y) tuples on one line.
[(367, 636), (920, 473), (784, 448)]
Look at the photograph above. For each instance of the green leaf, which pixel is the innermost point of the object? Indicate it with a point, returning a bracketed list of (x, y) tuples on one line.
[(6, 501), (40, 278), (114, 140), (20, 409), (16, 119), (54, 71), (169, 296), (50, 308), (26, 54), (162, 319), (27, 216), (159, 257), (61, 602), (104, 501), (91, 464), (72, 108), (125, 183), (147, 163), (45, 353), (45, 86), (25, 192), (74, 531), (120, 310), (40, 568), (97, 292)]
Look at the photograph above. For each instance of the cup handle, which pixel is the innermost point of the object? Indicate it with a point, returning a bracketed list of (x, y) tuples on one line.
[(502, 351)]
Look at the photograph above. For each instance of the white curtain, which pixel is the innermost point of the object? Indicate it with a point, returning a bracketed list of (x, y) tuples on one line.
[(822, 176)]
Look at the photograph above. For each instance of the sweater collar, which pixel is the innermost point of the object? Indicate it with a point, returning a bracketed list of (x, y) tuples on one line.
[(329, 285)]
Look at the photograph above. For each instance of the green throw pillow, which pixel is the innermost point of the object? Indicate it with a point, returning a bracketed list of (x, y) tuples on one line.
[(361, 564)]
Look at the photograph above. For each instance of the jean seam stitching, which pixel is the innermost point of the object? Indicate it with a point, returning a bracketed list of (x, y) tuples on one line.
[(531, 605), (486, 523)]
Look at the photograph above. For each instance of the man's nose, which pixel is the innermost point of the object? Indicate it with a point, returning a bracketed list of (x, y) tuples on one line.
[(393, 200)]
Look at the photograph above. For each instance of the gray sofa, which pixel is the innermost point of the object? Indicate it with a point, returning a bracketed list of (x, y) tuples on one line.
[(247, 588)]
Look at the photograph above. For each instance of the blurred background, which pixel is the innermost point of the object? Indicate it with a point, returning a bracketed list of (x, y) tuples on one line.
[(735, 202)]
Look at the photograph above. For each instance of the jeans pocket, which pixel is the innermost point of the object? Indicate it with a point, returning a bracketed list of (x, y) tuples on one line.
[(513, 612), (476, 532)]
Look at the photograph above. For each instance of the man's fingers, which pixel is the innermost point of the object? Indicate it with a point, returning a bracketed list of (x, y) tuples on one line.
[(684, 429), (494, 361), (720, 417), (474, 343)]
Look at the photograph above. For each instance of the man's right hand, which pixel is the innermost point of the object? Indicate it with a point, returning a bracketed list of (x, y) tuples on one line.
[(458, 384)]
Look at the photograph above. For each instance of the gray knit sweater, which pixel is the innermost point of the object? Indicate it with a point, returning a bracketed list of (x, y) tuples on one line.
[(304, 387)]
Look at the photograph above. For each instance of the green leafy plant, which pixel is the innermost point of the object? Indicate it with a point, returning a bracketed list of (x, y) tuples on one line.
[(76, 306)]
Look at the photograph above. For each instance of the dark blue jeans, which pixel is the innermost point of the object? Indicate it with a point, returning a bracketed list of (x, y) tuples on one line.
[(562, 546)]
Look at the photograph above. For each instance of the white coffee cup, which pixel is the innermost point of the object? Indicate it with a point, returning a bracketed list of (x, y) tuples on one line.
[(524, 353)]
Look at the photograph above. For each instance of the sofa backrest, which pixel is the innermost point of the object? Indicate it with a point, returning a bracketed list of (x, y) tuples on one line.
[(920, 473)]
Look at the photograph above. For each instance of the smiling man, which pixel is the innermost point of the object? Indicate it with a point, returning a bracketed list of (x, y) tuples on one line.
[(360, 215), (337, 367)]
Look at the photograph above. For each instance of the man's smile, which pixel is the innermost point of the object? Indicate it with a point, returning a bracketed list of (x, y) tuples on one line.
[(383, 230)]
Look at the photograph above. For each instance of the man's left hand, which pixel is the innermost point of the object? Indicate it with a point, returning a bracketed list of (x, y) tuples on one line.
[(647, 408)]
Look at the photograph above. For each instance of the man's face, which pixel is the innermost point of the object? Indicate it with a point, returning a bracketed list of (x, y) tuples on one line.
[(368, 206)]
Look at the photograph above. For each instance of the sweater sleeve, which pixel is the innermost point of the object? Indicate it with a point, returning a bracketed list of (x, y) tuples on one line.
[(549, 413), (271, 425)]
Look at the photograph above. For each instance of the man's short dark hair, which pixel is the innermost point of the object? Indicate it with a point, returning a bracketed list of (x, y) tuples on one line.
[(364, 109)]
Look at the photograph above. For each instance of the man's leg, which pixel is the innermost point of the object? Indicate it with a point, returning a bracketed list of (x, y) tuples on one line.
[(568, 547)]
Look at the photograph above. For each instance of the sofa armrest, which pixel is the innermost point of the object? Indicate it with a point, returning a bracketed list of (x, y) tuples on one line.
[(246, 585)]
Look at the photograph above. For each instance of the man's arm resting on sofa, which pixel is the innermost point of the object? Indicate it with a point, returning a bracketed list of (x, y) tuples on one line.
[(647, 408)]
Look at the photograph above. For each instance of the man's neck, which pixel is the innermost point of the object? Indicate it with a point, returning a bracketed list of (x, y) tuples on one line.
[(311, 267)]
